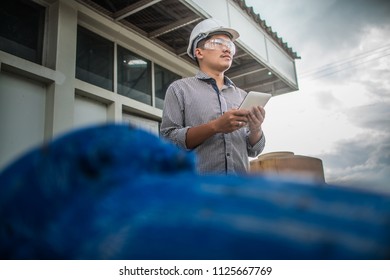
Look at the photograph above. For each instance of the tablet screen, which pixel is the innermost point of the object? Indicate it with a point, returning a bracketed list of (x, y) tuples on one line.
[(255, 98)]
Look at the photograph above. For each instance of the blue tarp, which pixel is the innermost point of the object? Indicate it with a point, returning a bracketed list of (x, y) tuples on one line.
[(116, 192)]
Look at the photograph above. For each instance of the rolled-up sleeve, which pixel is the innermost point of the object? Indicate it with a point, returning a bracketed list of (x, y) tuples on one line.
[(172, 125), (255, 150)]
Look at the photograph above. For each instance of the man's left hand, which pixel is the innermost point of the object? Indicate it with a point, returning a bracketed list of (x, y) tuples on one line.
[(255, 119)]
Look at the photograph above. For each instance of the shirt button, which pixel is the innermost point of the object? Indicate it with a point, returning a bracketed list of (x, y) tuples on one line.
[(228, 154)]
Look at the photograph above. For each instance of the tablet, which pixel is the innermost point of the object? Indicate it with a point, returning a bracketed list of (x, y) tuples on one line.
[(255, 98)]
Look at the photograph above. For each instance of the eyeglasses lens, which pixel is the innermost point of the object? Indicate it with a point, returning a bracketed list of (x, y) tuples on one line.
[(220, 44)]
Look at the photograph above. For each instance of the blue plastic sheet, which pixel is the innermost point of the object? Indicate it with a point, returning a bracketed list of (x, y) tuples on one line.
[(116, 192)]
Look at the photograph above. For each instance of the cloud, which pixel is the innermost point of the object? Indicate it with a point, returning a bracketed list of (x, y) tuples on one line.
[(325, 100), (364, 160), (334, 22), (378, 82), (360, 177), (375, 116), (373, 12), (361, 162), (341, 22), (344, 81), (329, 33)]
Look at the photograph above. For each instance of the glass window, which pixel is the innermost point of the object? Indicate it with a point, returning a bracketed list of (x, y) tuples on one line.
[(163, 78), (21, 29), (95, 59), (134, 76)]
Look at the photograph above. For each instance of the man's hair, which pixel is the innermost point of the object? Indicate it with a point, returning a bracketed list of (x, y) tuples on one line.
[(203, 41), (200, 45)]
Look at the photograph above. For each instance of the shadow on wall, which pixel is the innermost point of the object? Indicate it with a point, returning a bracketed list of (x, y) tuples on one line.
[(116, 192)]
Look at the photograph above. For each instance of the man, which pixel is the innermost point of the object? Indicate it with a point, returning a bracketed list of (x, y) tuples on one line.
[(200, 113)]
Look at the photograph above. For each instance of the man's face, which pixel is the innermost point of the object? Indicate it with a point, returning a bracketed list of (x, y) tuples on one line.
[(216, 53)]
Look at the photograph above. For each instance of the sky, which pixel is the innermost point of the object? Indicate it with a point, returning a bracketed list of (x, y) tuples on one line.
[(341, 112)]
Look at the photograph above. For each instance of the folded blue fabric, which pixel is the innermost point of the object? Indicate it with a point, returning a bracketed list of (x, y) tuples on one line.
[(116, 192)]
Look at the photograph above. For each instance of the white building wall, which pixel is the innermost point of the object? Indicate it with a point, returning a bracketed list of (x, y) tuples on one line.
[(22, 115), (89, 112), (62, 98), (251, 38), (281, 63), (142, 123)]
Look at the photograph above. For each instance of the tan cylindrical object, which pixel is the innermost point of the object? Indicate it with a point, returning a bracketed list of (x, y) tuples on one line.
[(289, 165)]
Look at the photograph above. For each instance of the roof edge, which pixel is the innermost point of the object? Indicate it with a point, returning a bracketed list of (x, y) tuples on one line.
[(263, 25)]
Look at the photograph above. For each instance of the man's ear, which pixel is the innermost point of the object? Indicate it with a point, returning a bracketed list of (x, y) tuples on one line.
[(198, 53)]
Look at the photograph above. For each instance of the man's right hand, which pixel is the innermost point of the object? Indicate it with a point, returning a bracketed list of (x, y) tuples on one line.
[(230, 121)]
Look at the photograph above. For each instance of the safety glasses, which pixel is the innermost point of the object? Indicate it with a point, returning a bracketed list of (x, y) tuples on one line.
[(220, 44)]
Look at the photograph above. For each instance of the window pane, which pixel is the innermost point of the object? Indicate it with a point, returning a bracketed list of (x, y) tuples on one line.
[(163, 78), (134, 76), (21, 29), (95, 59)]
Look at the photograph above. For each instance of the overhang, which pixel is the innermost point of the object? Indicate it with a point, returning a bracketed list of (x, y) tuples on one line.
[(263, 62)]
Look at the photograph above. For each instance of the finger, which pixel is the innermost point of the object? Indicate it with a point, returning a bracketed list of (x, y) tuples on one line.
[(258, 112), (240, 124), (255, 115), (262, 111), (243, 119), (254, 121), (252, 118), (241, 112)]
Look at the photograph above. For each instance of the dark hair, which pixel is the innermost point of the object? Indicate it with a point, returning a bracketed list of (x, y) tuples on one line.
[(203, 41), (200, 44)]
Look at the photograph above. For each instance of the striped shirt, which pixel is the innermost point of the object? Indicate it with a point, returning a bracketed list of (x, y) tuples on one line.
[(196, 100)]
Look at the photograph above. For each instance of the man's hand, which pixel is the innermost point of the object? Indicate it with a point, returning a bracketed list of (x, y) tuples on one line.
[(231, 120), (255, 118)]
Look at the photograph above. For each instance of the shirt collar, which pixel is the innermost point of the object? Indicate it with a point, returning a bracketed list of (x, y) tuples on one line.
[(204, 77)]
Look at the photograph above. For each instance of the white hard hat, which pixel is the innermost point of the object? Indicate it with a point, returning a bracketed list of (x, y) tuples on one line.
[(205, 28)]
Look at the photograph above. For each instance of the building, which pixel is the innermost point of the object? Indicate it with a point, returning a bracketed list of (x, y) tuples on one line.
[(66, 63)]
